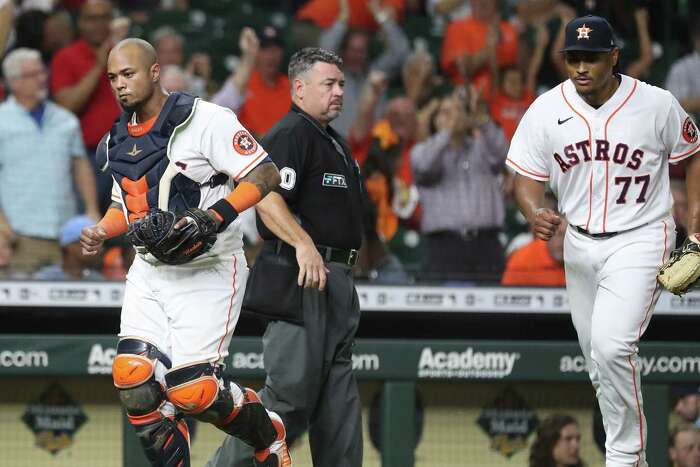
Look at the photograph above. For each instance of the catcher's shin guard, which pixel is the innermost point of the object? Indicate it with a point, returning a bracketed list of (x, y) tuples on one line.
[(201, 391), (165, 439)]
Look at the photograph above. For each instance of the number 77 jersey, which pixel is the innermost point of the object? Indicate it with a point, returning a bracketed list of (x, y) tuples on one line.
[(608, 167)]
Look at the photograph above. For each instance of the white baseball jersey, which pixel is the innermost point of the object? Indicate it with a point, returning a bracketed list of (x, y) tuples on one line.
[(608, 167), (210, 141)]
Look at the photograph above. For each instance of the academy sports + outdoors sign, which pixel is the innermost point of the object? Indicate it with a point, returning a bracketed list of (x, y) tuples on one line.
[(373, 359)]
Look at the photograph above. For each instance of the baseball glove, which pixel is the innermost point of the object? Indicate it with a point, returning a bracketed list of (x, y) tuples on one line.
[(682, 269), (156, 232)]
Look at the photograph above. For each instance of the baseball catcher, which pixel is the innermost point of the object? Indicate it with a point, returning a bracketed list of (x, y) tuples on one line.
[(682, 269)]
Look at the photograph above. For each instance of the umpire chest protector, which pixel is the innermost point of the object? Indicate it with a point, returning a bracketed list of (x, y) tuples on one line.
[(141, 166)]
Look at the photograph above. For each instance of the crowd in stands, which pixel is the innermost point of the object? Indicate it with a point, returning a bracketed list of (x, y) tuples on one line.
[(434, 90)]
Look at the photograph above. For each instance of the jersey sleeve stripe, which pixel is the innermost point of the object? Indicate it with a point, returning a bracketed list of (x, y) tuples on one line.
[(605, 203), (250, 166), (590, 146), (685, 154), (535, 175)]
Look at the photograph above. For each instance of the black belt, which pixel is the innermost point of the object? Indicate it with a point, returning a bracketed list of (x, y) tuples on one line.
[(599, 236), (604, 235), (329, 254)]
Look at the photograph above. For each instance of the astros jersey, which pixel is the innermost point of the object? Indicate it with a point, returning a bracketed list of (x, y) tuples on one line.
[(211, 141), (607, 166)]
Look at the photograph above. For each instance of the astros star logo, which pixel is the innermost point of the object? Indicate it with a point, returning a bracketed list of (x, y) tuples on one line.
[(583, 32), (245, 143)]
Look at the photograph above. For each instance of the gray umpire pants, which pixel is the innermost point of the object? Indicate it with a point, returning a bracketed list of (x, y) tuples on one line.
[(310, 382)]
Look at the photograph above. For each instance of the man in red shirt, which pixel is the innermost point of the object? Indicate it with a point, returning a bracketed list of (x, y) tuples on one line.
[(258, 91), (79, 81)]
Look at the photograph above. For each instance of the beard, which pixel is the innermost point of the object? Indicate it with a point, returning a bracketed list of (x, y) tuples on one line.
[(130, 107), (135, 104)]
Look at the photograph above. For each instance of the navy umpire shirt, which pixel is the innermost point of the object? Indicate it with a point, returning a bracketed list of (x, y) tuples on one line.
[(320, 180)]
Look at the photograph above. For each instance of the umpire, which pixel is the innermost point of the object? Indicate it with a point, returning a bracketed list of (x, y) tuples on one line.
[(302, 281)]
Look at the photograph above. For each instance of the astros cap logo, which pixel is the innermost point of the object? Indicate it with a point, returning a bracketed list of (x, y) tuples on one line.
[(583, 32)]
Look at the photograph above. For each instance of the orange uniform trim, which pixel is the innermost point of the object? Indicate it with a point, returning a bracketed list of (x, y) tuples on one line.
[(145, 419), (129, 370), (244, 196), (590, 148), (135, 200), (195, 396), (254, 161), (680, 156), (140, 129), (605, 206), (534, 174), (114, 222)]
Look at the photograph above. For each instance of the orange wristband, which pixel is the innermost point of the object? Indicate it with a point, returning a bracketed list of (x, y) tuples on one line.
[(244, 196), (114, 222)]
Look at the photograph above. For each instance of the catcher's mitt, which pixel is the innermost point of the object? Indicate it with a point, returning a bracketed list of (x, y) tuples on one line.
[(156, 232), (682, 269)]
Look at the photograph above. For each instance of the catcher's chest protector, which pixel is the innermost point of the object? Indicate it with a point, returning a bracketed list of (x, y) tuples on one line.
[(138, 163)]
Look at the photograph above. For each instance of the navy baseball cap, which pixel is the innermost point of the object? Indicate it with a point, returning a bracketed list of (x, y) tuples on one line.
[(269, 35), (588, 34)]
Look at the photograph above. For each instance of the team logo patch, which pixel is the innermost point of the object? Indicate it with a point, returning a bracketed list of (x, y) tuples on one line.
[(244, 144), (583, 32), (334, 180), (690, 131)]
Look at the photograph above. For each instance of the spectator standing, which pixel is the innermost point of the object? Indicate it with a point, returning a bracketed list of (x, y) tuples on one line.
[(258, 91), (684, 446), (353, 46), (516, 90), (73, 265), (79, 82), (457, 174), (40, 145), (474, 47), (511, 101), (389, 179)]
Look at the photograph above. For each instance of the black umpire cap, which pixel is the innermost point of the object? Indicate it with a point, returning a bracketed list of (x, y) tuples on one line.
[(589, 34)]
